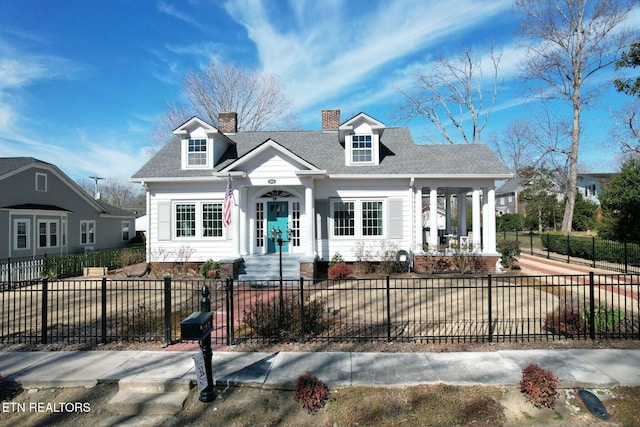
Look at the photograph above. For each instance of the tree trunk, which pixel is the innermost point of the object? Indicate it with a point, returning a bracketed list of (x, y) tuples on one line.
[(572, 182)]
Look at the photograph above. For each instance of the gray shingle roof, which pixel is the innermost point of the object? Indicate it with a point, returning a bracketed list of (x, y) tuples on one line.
[(399, 155)]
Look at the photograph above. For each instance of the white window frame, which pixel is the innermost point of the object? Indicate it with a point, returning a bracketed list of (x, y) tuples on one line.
[(198, 217), (48, 233), (203, 143), (358, 217), (85, 227), (16, 236), (43, 176), (355, 150)]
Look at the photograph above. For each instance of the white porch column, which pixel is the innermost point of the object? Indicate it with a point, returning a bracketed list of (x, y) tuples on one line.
[(244, 228), (418, 223), (310, 224), (462, 214), (447, 214), (490, 242), (475, 217), (433, 219), (236, 225)]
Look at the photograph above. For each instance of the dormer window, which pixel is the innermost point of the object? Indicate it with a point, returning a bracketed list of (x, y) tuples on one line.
[(197, 152), (361, 149)]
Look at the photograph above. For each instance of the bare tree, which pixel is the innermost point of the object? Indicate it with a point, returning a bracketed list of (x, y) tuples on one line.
[(453, 93), (515, 146), (571, 40), (627, 130), (258, 99), (117, 192)]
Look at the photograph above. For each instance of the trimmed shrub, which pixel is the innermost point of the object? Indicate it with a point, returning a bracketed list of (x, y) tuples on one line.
[(509, 252), (340, 271), (566, 321), (210, 269), (311, 392), (539, 386)]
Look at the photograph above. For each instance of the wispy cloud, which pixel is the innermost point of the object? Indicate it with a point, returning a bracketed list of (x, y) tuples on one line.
[(169, 10), (338, 49)]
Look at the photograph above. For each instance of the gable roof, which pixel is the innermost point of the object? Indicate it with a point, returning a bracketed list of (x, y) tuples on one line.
[(12, 165), (399, 155)]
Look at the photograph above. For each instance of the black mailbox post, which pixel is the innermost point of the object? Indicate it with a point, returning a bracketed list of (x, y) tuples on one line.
[(197, 326)]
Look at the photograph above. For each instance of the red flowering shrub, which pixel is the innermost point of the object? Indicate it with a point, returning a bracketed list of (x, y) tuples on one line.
[(539, 386), (312, 392), (340, 271)]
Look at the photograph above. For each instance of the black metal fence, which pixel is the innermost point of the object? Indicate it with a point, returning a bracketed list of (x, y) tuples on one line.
[(429, 309), (591, 251)]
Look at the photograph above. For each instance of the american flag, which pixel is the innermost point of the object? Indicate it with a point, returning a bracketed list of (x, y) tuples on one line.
[(226, 208)]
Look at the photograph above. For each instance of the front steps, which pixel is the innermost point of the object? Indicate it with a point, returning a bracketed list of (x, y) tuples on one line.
[(147, 402), (267, 267)]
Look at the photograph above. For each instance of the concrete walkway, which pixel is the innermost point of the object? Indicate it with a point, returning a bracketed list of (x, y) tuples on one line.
[(575, 368)]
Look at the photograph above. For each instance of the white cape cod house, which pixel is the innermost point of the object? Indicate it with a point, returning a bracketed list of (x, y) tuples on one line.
[(350, 185)]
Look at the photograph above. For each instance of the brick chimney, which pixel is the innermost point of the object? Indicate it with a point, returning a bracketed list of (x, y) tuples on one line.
[(228, 122), (330, 119)]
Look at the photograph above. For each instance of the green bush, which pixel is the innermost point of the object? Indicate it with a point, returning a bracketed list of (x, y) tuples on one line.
[(591, 248), (509, 252), (604, 321), (336, 259), (210, 269), (510, 222), (280, 317)]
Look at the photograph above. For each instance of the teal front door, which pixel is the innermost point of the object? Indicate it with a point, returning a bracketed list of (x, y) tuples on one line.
[(277, 218)]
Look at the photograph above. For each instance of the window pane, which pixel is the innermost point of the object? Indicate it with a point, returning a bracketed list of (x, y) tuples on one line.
[(197, 152), (212, 220), (372, 218), (185, 220), (343, 219)]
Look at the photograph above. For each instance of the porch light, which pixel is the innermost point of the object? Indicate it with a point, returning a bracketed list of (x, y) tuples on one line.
[(276, 235)]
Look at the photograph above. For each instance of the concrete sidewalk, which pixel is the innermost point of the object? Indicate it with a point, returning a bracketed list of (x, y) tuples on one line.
[(575, 368)]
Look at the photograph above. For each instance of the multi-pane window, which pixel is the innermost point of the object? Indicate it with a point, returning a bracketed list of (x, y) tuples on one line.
[(47, 234), (185, 220), (343, 219), (260, 224), (21, 231), (87, 232), (197, 152), (295, 225), (372, 218), (212, 220), (361, 149), (125, 230)]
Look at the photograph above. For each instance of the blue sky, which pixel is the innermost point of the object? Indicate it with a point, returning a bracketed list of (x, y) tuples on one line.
[(82, 81)]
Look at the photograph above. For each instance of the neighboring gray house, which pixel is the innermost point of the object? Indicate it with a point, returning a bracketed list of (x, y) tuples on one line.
[(43, 211), (330, 191)]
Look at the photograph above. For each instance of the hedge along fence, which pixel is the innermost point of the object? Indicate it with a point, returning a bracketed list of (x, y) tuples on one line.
[(73, 265), (592, 248)]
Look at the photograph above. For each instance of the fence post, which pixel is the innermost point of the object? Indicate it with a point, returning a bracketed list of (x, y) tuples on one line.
[(592, 308), (43, 314), (593, 250), (301, 310), (568, 250), (388, 310), (9, 272), (531, 241), (103, 310), (167, 311), (230, 334), (548, 255), (490, 309), (626, 260)]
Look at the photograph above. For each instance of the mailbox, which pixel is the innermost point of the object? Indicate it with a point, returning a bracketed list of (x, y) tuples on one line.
[(196, 326)]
